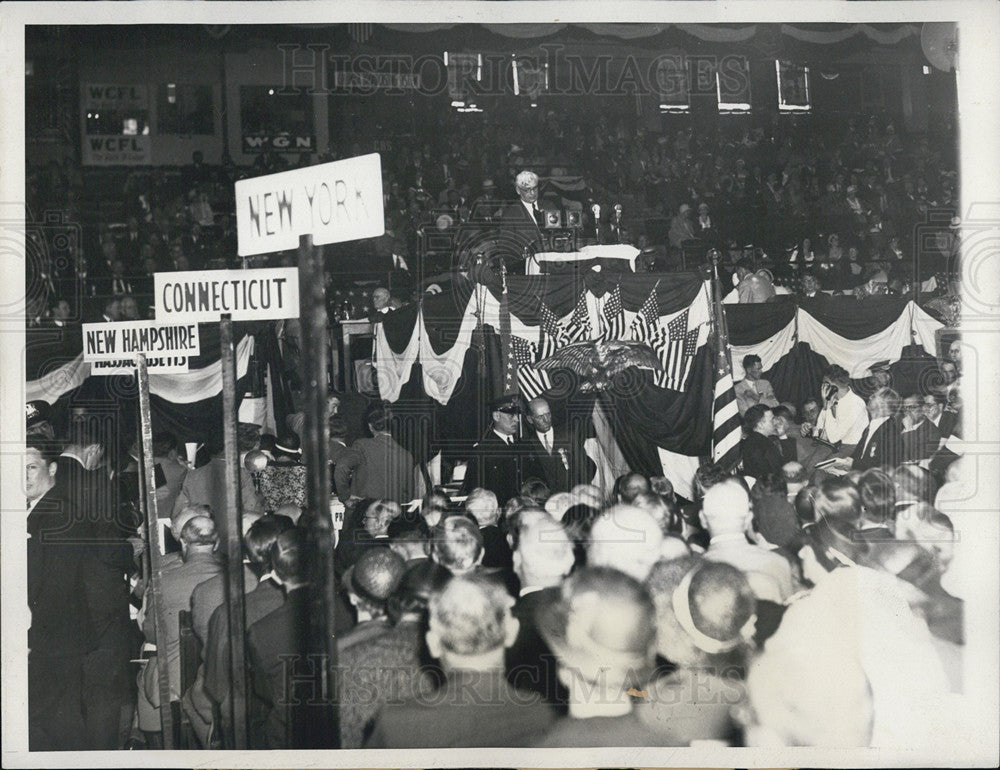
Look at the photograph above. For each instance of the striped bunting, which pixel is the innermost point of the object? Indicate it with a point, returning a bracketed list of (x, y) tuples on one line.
[(675, 346), (726, 425), (613, 316), (531, 381), (646, 320), (578, 328)]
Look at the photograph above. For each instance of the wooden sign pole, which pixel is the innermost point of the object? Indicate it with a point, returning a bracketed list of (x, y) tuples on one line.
[(155, 603), (316, 438), (234, 531)]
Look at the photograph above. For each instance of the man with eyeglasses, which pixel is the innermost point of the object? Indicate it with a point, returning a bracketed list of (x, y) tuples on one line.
[(920, 436)]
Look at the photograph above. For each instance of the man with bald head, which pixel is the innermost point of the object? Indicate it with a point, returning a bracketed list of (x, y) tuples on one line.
[(563, 463), (627, 538), (726, 514)]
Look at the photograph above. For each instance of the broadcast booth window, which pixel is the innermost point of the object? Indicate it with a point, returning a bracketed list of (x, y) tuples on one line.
[(184, 108), (271, 119), (121, 120)]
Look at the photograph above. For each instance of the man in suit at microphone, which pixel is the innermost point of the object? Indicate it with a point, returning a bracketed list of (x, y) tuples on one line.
[(525, 216), (563, 464)]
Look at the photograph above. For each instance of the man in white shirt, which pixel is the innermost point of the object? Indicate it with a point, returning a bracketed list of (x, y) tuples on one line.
[(752, 389), (844, 415), (525, 216)]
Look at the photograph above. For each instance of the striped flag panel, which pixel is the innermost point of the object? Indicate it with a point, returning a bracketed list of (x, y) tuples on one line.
[(578, 328), (613, 316), (726, 426), (645, 321)]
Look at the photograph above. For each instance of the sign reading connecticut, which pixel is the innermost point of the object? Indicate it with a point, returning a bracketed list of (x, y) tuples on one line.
[(246, 295), (333, 202)]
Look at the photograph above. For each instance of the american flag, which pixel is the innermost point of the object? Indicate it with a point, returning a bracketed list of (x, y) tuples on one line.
[(532, 382), (613, 316), (726, 426), (578, 328), (675, 346), (646, 320), (554, 336)]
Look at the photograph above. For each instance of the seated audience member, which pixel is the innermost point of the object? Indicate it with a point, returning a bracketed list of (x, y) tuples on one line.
[(656, 507), (457, 545), (559, 503), (786, 433), (600, 626), (856, 615), (945, 420), (368, 526), (920, 436), (752, 390), (369, 583), (758, 447), (625, 538), (485, 509), (914, 485), (844, 415), (199, 562), (283, 481), (469, 627), (543, 556), (410, 539), (387, 666), (260, 601), (774, 519), (880, 444), (705, 623), (628, 485), (726, 511), (279, 637), (805, 505), (877, 496), (535, 491), (795, 478)]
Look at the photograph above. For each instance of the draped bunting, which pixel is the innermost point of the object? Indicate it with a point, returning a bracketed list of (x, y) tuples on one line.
[(713, 33), (653, 427)]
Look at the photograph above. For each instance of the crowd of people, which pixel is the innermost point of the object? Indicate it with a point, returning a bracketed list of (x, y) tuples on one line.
[(810, 596), (840, 204)]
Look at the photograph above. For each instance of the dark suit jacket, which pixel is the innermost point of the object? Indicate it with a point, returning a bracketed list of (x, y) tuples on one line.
[(760, 455), (531, 664), (921, 442), (556, 474), (514, 218), (497, 555), (378, 468), (884, 450), (470, 709), (499, 467), (107, 554), (948, 425), (56, 564)]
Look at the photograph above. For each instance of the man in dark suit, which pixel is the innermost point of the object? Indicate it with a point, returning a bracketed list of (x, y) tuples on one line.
[(881, 445), (945, 420), (284, 632), (470, 626), (761, 455), (920, 437), (376, 467), (83, 479), (543, 556), (525, 217), (501, 461), (562, 463), (55, 592), (483, 506)]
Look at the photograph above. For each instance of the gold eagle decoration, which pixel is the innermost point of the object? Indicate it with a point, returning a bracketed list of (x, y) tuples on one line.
[(598, 361)]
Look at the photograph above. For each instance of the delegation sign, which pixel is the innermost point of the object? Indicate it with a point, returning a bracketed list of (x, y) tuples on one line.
[(333, 202), (121, 340), (247, 295)]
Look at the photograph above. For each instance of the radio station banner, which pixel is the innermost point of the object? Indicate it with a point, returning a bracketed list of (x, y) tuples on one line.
[(247, 295), (119, 102), (257, 143), (127, 366), (334, 202), (123, 339)]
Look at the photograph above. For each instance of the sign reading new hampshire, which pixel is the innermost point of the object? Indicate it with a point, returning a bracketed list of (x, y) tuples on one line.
[(247, 295), (334, 202), (123, 339)]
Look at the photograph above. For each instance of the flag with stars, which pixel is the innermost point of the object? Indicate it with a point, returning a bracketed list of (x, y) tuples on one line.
[(508, 361), (613, 316), (578, 328), (553, 335), (646, 320), (675, 346), (531, 381)]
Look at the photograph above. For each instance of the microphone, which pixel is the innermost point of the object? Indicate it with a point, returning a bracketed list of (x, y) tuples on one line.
[(618, 213)]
